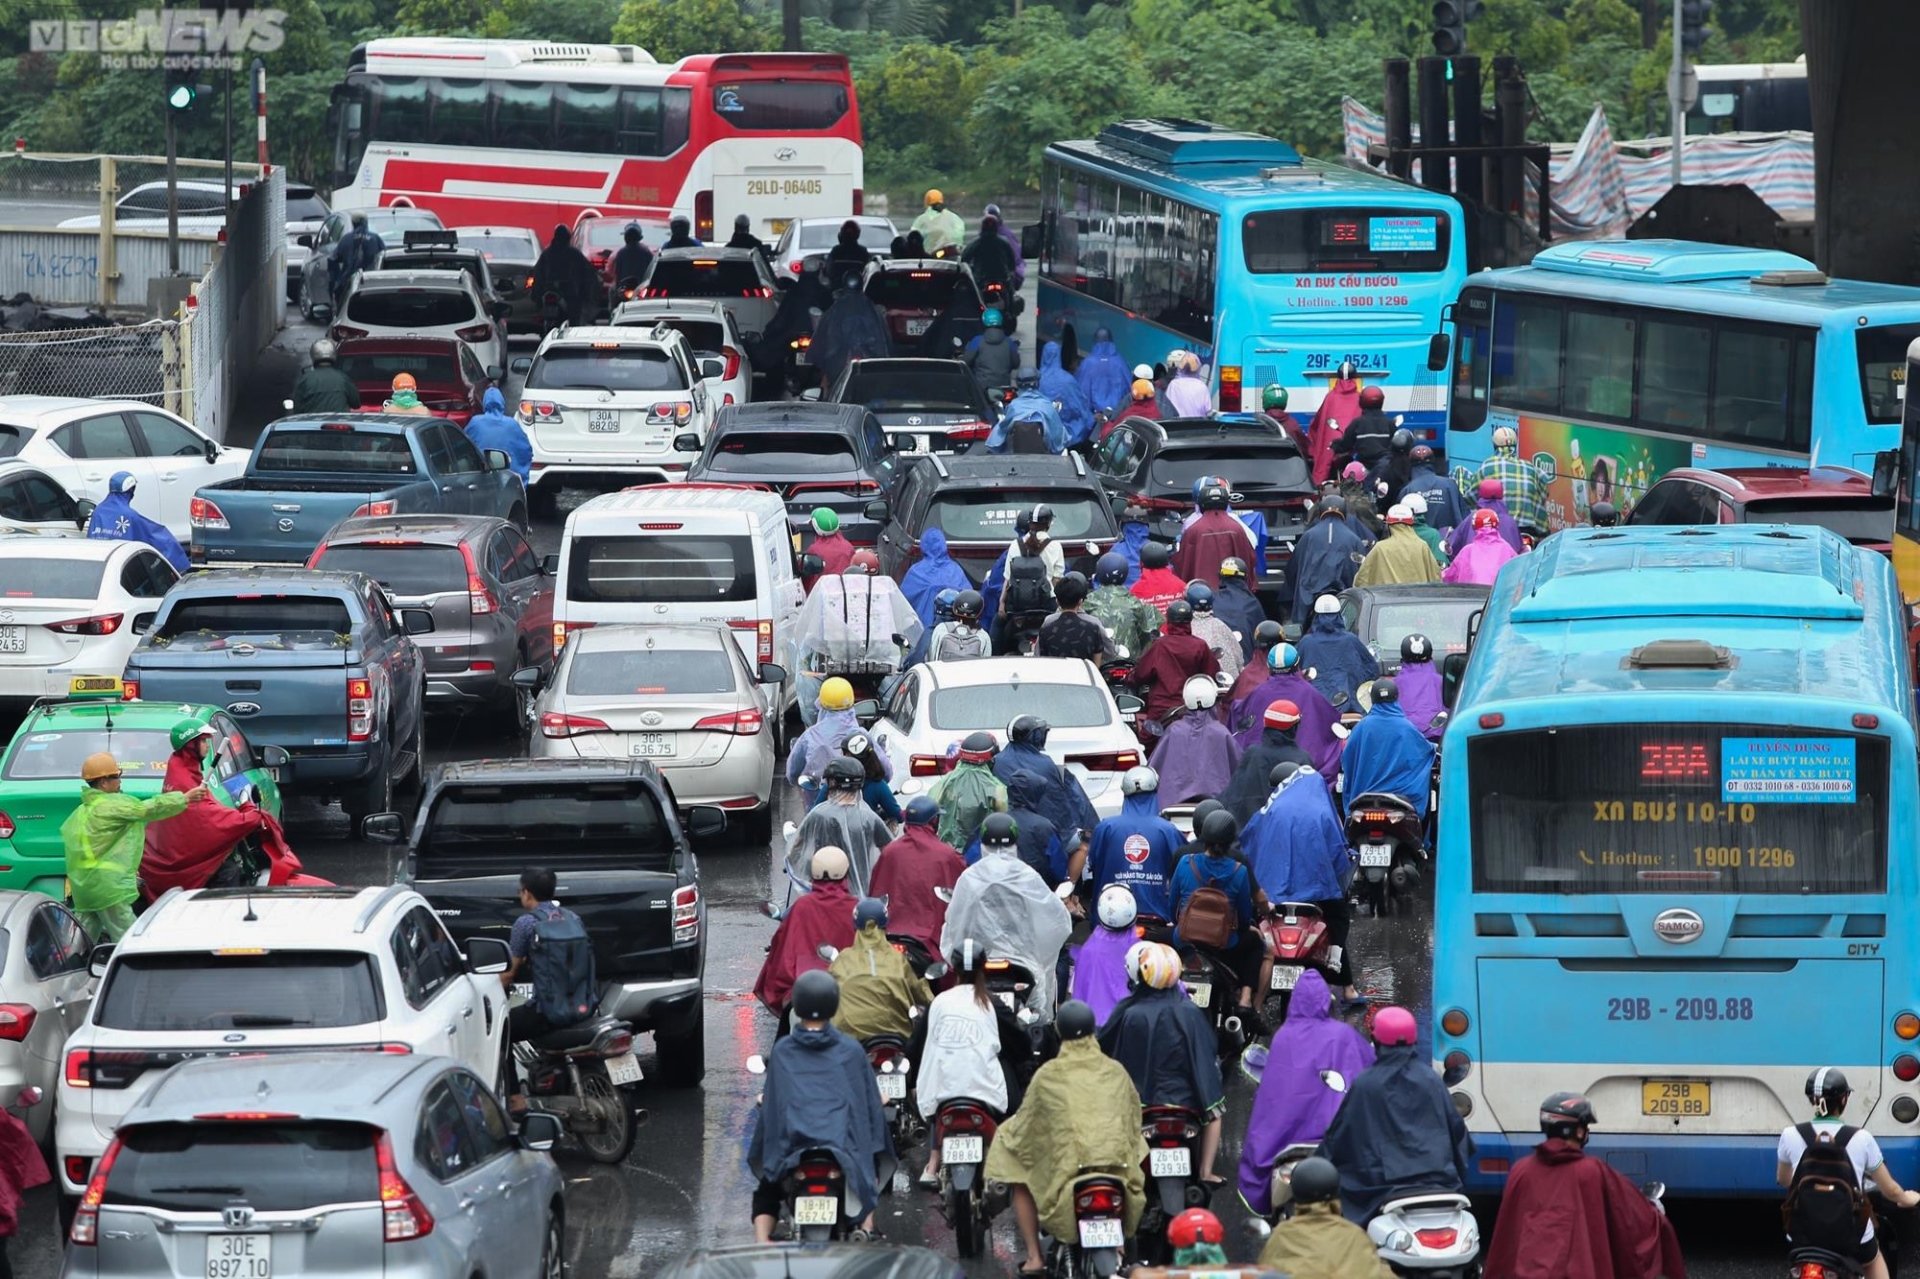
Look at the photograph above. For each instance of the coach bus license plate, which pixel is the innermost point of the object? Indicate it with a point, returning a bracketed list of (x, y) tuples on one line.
[(816, 1210), (1201, 992), (1102, 1232), (239, 1257), (1376, 854), (603, 422), (1285, 976), (1676, 1098), (963, 1150), (624, 1069), (1174, 1161), (892, 1087), (649, 746)]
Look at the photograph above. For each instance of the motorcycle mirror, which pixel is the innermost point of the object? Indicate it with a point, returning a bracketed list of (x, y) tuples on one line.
[(1655, 1191), (1121, 649), (935, 972), (944, 893), (1340, 731), (1258, 1228), (1334, 1080), (1064, 892), (756, 1065), (826, 952), (770, 910)]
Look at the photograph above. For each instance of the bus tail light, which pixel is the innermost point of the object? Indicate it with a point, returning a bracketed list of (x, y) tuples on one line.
[(1864, 720), (359, 710), (859, 202), (1495, 1167), (703, 216), (1907, 1026), (1906, 1068), (762, 629), (1230, 385), (1454, 1022), (563, 629), (1493, 719)]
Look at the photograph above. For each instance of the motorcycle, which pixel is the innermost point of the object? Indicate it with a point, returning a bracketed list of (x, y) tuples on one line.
[(1297, 935), (1818, 1263), (887, 1055), (1212, 987), (1253, 1065), (813, 1197), (1389, 847), (964, 1129), (625, 291), (1173, 1180), (1100, 1230), (578, 1075), (553, 312), (1432, 1235)]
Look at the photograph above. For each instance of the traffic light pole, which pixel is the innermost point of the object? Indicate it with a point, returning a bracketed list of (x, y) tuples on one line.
[(173, 196), (1676, 88)]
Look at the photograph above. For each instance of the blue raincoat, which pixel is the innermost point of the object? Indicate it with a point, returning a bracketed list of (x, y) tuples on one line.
[(1058, 385), (494, 429), (990, 590), (1296, 845), (1325, 559), (1058, 796), (1238, 607), (1341, 662), (1134, 535), (1386, 753), (934, 572), (808, 755), (1137, 848), (115, 520), (1030, 406), (820, 1096), (1103, 376), (1039, 838), (1446, 508)]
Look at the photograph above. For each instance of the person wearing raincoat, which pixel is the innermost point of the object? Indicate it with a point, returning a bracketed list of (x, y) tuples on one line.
[(1188, 394), (852, 328), (1039, 840), (933, 572), (1324, 560), (1196, 756), (1168, 1048), (970, 792), (1491, 497), (847, 626), (829, 543), (1251, 785), (187, 851), (1030, 404), (1060, 797), (844, 821), (1129, 619), (879, 990), (1442, 496), (1235, 604), (1003, 904), (1100, 962), (968, 1045), (115, 520), (1135, 533), (1337, 410), (1103, 375), (831, 723), (1482, 558), (911, 871), (1213, 628), (1317, 1241), (1424, 528), (1157, 584), (22, 1167), (1289, 680), (1212, 538), (104, 838), (823, 916), (1265, 636), (1397, 1131), (1400, 558), (1339, 660), (1421, 694), (1058, 385), (1294, 1105), (1135, 847), (1081, 1115), (1298, 851), (1386, 754), (494, 428)]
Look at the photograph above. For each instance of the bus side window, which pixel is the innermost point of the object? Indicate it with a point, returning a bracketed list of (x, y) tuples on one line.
[(1472, 360)]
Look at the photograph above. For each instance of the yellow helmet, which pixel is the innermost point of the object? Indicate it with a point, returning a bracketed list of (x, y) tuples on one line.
[(97, 765), (836, 695), (934, 196)]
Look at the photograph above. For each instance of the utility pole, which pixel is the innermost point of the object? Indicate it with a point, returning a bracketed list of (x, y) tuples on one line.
[(1676, 90), (790, 25)]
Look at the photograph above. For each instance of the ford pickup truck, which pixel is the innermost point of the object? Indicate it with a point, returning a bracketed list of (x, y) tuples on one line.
[(308, 473), (316, 663)]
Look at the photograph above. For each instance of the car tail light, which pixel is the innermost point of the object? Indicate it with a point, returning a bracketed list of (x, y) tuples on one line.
[(404, 1216), (474, 333), (664, 412), (1097, 1201), (686, 914), (16, 1020), (86, 1218), (762, 629), (385, 506), (6, 826), (79, 1070), (341, 332), (739, 723), (762, 292), (1230, 387), (98, 624), (703, 215), (733, 360), (1109, 762), (802, 342), (479, 599), (977, 431), (796, 266), (77, 1169), (930, 765), (539, 411), (359, 710), (555, 724), (859, 202), (1439, 1237), (129, 690), (204, 514), (563, 629)]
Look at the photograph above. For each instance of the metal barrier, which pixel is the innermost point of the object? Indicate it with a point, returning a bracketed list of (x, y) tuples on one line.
[(138, 362), (235, 310)]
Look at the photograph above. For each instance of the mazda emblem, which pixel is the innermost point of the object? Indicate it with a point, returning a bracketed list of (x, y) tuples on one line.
[(6, 615), (1678, 926), (284, 524)]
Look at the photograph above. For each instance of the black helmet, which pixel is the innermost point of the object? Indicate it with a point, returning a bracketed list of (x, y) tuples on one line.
[(1071, 590), (1180, 613), (979, 743), (1200, 595), (1267, 634), (1604, 515), (1074, 1020), (967, 957), (816, 996), (967, 607), (1204, 809), (1828, 1091), (1030, 729), (1385, 692), (1155, 555), (844, 774), (1218, 831), (1565, 1113), (633, 234), (1416, 648), (921, 810), (870, 910), (1282, 771), (999, 831), (1314, 1181), (1111, 570), (1331, 502), (1041, 516), (1214, 497), (1402, 441)]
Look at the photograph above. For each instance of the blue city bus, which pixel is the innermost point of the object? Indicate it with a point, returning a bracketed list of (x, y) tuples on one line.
[(1675, 857), (1270, 267), (1618, 360)]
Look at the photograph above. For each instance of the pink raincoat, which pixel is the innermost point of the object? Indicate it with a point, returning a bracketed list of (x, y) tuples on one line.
[(1479, 560)]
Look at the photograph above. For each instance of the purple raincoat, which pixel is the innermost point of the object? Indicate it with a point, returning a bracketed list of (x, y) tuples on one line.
[(1463, 531), (1293, 1105), (1479, 560), (1100, 969), (1420, 696), (1195, 758), (1317, 718)]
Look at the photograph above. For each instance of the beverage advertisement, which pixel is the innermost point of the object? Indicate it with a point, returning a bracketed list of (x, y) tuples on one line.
[(1587, 464)]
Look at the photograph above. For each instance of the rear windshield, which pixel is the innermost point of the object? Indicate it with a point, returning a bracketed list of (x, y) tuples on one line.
[(926, 387), (410, 308), (438, 366), (915, 290), (781, 106), (624, 368), (305, 206), (1444, 621), (706, 337), (36, 579), (255, 615), (779, 453), (974, 515), (487, 830), (676, 568), (39, 756), (512, 248), (281, 1166), (993, 706), (1250, 468), (12, 440), (1867, 520), (341, 450), (644, 672), (404, 570), (196, 990), (824, 235), (705, 278)]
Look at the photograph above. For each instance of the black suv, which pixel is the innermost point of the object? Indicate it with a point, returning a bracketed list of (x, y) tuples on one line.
[(813, 455), (933, 306), (1156, 464), (976, 499), (925, 406), (608, 829)]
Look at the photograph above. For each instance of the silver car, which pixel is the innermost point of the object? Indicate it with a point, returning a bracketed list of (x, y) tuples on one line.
[(45, 991), (271, 1166)]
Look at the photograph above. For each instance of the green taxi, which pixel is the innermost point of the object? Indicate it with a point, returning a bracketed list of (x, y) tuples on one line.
[(40, 771)]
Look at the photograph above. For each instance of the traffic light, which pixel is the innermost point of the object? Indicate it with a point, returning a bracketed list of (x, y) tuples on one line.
[(182, 88), (1693, 25), (1450, 19)]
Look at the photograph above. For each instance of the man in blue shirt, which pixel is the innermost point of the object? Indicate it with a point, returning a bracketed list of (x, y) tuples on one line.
[(526, 1021), (494, 428), (1134, 848), (1215, 866)]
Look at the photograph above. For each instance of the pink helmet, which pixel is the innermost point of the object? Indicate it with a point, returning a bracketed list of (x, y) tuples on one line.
[(1491, 489), (1393, 1026), (1353, 472)]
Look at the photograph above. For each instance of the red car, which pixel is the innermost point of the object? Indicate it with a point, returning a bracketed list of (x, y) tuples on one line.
[(1830, 496), (449, 375), (600, 237)]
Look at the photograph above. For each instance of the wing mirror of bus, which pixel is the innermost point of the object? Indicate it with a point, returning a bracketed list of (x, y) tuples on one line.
[(1439, 351), (1452, 668), (1886, 473)]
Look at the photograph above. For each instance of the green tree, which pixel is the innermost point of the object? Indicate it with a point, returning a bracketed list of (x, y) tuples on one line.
[(918, 98), (673, 29)]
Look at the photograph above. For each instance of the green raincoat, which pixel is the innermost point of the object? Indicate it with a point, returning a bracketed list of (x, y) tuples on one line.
[(1081, 1115), (1132, 620), (1431, 536), (105, 837), (1398, 559), (878, 988), (967, 796), (1318, 1243)]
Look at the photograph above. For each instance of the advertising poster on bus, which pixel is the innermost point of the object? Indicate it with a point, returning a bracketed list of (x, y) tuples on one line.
[(1587, 464)]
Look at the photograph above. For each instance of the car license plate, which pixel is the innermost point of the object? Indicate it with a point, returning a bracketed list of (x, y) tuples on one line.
[(521, 993), (604, 421), (624, 1069), (1201, 992), (13, 639), (1285, 976), (1174, 1161), (892, 1087), (1376, 854), (649, 746), (1102, 1232), (800, 357), (271, 774), (916, 328), (239, 1257), (963, 1150), (920, 443), (1676, 1098), (1006, 997), (816, 1210)]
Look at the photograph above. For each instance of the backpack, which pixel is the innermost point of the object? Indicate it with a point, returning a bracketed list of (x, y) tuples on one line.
[(1029, 588), (1825, 1207), (1208, 917), (954, 646), (562, 958)]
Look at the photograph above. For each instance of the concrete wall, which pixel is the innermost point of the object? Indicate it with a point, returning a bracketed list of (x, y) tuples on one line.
[(64, 268), (1865, 97)]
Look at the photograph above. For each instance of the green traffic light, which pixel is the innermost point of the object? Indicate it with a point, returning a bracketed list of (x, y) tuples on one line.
[(180, 97)]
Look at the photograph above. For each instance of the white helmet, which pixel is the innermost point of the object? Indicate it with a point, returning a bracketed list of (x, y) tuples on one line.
[(1200, 693), (1134, 952), (1116, 906), (1139, 780)]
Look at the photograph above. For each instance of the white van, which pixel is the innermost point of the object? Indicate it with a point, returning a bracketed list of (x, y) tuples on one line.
[(683, 553)]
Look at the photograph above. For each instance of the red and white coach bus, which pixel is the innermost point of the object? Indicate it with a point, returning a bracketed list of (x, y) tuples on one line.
[(523, 133)]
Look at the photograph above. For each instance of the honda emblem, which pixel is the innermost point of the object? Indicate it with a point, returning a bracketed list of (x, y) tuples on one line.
[(236, 1216)]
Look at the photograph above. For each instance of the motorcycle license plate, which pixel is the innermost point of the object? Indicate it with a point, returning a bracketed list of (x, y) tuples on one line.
[(892, 1087), (963, 1150), (1201, 992), (1174, 1161), (816, 1210), (239, 1257), (603, 422), (1376, 855), (918, 328), (1102, 1232), (522, 992), (1006, 997), (624, 1069), (1285, 976)]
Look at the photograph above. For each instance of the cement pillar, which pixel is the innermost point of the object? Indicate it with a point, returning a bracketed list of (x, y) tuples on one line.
[(1865, 98)]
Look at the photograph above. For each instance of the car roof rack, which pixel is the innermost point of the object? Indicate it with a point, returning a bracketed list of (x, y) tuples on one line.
[(365, 918), (430, 240)]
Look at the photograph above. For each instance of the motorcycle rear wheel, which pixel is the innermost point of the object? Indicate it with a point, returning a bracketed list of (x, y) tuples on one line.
[(612, 1141), (967, 1227)]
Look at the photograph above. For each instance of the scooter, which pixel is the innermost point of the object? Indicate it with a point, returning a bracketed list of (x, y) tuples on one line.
[(1173, 1180), (814, 1207), (579, 1074), (1818, 1263), (1389, 847), (553, 312), (1297, 934), (1253, 1065), (1212, 987), (887, 1055), (1433, 1236), (964, 1128), (1100, 1228)]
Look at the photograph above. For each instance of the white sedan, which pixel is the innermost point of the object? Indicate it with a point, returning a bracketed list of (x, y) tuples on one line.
[(81, 443), (45, 992), (73, 606), (938, 703)]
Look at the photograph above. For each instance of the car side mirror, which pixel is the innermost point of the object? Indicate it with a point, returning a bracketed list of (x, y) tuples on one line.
[(273, 756), (712, 367), (1439, 352), (497, 459), (305, 241), (1129, 703), (866, 713), (531, 678), (418, 621), (1453, 668), (686, 442), (772, 673), (84, 508), (811, 395), (811, 565), (878, 511), (141, 623), (97, 959), (322, 313), (499, 310), (210, 451), (1886, 473), (520, 364), (704, 821), (550, 565), (381, 828), (783, 283), (488, 955), (539, 1131), (935, 971), (495, 373)]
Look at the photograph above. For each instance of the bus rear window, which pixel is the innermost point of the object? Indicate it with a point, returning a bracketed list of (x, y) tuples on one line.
[(1883, 368), (781, 105), (1685, 808), (1292, 241), (667, 569)]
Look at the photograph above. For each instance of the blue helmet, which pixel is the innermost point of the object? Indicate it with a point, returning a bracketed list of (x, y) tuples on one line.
[(1200, 595), (943, 603), (991, 317), (870, 910), (1283, 657), (1112, 569), (921, 811)]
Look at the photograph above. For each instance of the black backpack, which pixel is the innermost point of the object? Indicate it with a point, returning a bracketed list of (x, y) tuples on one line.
[(1029, 588), (1825, 1206), (563, 981)]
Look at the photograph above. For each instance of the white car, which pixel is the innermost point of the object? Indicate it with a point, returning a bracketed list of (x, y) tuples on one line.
[(31, 501), (412, 303), (44, 993), (710, 330), (81, 443), (682, 697), (73, 606), (808, 237), (214, 972), (937, 703), (201, 208)]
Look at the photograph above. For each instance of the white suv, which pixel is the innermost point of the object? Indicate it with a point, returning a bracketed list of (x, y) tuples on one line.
[(424, 304), (219, 972), (710, 330), (603, 401)]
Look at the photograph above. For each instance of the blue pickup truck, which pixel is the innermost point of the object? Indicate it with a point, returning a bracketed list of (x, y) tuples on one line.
[(317, 663), (308, 473)]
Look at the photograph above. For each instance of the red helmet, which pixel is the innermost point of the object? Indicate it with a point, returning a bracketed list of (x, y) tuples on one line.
[(863, 561), (1281, 714), (1372, 397), (1484, 518), (1195, 1226)]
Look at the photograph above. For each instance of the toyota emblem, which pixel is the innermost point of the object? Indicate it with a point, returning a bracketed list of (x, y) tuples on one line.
[(915, 420), (1678, 926), (785, 153), (284, 524), (651, 718)]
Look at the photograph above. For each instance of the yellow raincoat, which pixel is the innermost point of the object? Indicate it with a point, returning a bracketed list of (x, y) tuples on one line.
[(1081, 1115), (878, 988)]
